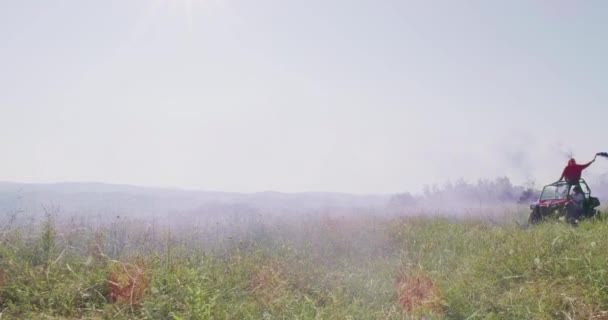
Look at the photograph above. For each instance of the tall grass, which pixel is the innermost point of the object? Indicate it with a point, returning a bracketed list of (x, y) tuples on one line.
[(322, 267)]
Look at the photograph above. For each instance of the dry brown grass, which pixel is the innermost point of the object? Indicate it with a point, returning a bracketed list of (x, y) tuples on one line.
[(577, 308), (417, 294), (127, 283), (269, 282), (95, 247)]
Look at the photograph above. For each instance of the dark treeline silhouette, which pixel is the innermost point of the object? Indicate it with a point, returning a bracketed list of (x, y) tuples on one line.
[(462, 194)]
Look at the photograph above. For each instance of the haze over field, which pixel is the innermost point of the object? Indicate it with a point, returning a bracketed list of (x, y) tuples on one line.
[(319, 159), (346, 96), (487, 198)]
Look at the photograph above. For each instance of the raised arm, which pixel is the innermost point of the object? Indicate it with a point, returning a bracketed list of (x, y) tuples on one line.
[(588, 164)]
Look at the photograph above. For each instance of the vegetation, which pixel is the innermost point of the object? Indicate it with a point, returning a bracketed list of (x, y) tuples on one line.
[(345, 267)]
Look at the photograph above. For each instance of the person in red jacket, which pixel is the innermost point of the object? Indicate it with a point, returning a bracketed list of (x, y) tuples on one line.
[(572, 172)]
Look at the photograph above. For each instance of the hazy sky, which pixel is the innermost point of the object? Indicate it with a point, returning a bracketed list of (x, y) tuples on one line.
[(316, 95)]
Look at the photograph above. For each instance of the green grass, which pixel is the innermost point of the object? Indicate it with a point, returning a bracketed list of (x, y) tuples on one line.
[(342, 268)]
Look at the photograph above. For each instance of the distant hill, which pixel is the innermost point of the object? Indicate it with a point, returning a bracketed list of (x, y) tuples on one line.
[(103, 198)]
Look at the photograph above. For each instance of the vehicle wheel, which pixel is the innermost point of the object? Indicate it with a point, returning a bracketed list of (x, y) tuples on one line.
[(535, 217)]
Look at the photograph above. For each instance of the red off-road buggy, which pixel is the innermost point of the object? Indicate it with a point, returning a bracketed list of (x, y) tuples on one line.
[(555, 203)]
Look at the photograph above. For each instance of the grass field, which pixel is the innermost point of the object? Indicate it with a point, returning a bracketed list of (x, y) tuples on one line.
[(343, 267)]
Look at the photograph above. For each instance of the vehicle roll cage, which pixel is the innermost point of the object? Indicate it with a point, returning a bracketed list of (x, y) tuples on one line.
[(581, 181)]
